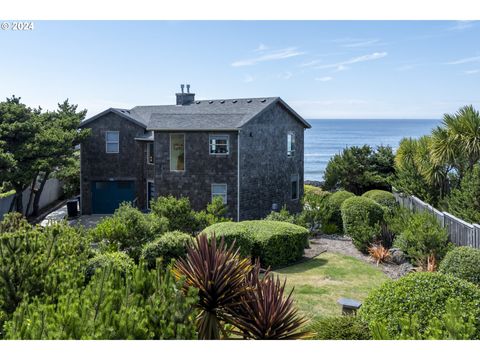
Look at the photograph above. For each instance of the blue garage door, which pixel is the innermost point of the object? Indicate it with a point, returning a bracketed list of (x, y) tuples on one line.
[(108, 195)]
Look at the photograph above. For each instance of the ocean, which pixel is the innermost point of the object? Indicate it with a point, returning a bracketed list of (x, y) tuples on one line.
[(329, 137)]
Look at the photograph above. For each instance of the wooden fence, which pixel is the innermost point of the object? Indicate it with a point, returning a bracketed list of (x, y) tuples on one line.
[(460, 232)]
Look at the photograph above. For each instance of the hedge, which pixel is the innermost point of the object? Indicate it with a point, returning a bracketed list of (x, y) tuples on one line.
[(462, 262), (275, 243), (382, 197), (168, 246), (334, 215)]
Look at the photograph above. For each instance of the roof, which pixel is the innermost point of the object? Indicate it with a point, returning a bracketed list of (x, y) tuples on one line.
[(222, 114)]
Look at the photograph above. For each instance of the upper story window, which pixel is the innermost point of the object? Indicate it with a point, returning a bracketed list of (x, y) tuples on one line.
[(294, 181), (177, 152), (150, 153), (290, 144), (219, 190), (219, 144), (112, 140)]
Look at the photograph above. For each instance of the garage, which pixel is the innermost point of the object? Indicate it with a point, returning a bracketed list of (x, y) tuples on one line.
[(108, 195)]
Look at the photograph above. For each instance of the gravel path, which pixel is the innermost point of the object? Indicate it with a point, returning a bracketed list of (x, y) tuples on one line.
[(343, 245)]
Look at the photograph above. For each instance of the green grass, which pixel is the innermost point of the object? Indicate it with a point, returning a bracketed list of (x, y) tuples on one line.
[(320, 282)]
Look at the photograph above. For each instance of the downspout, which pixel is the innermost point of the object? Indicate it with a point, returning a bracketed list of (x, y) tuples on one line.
[(238, 175)]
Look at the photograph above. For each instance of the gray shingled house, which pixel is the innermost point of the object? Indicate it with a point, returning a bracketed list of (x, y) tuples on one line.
[(248, 151)]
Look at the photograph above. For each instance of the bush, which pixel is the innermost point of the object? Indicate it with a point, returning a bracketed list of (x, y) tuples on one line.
[(464, 202), (118, 261), (128, 230), (179, 213), (275, 243), (382, 197), (315, 212), (216, 212), (282, 215), (333, 222), (340, 328), (462, 262), (423, 237), (168, 246), (422, 295), (361, 218)]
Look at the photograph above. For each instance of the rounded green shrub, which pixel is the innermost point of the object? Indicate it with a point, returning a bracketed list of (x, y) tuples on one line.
[(168, 246), (117, 260), (462, 262), (361, 217), (340, 328), (423, 296), (382, 197), (275, 243), (333, 222)]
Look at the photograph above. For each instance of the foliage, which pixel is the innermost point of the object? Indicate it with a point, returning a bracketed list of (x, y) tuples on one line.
[(382, 197), (340, 328), (282, 215), (314, 214), (178, 212), (462, 262), (361, 217), (117, 261), (359, 169), (7, 194), (275, 243), (169, 246), (464, 202), (379, 253), (332, 217), (128, 230), (218, 273), (423, 237), (69, 174), (422, 295), (216, 212), (141, 305)]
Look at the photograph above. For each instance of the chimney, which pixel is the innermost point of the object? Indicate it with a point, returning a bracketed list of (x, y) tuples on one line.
[(185, 98)]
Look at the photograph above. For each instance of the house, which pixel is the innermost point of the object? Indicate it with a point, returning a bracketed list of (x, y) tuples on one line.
[(248, 151)]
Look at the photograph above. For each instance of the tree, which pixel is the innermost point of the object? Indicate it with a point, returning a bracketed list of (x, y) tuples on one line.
[(464, 202)]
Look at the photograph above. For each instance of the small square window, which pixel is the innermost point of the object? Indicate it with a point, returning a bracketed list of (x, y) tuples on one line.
[(290, 144), (150, 153), (219, 144), (220, 190), (112, 141)]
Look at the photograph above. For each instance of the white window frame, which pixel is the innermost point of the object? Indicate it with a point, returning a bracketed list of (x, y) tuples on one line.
[(297, 179), (184, 153), (291, 151), (148, 153), (148, 200), (218, 136), (225, 199), (112, 142)]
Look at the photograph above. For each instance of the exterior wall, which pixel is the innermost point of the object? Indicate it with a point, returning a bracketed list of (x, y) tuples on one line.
[(97, 165), (201, 170), (265, 168)]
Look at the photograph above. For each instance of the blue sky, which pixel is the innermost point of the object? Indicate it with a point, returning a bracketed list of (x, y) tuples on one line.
[(324, 69)]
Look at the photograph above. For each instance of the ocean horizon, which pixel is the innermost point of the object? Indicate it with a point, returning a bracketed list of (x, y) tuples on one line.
[(328, 137)]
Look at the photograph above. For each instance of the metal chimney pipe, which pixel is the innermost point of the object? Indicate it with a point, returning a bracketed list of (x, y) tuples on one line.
[(188, 88), (182, 86)]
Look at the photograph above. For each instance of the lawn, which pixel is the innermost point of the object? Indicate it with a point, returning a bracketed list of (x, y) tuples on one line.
[(320, 282)]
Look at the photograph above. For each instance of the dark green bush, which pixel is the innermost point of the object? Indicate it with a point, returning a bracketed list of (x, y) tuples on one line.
[(128, 230), (340, 328), (179, 213), (168, 246), (282, 215), (275, 243), (361, 220), (423, 237), (464, 202), (332, 222), (215, 212), (116, 260), (462, 262), (382, 197), (423, 295)]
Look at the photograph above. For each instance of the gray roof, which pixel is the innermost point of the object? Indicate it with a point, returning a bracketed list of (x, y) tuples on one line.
[(222, 114)]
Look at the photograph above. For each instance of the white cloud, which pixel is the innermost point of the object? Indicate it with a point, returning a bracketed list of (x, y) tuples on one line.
[(324, 79), (248, 78), (286, 75), (470, 72), (462, 25), (341, 65), (465, 60), (261, 47), (354, 43), (269, 56)]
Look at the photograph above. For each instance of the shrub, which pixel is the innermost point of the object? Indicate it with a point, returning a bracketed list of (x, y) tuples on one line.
[(333, 215), (275, 243), (464, 202), (168, 246), (282, 215), (340, 328), (382, 197), (118, 261), (128, 230), (423, 295), (423, 237), (462, 262), (179, 213), (361, 217), (315, 212), (216, 212)]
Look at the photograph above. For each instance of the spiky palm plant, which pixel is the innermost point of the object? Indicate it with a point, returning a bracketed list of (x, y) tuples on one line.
[(219, 274)]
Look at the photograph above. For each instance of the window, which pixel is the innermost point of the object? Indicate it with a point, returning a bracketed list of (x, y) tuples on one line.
[(220, 190), (112, 141), (177, 152), (290, 144), (294, 187), (219, 145), (150, 153), (150, 192)]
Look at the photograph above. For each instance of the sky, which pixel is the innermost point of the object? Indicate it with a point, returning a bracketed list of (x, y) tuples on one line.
[(323, 69)]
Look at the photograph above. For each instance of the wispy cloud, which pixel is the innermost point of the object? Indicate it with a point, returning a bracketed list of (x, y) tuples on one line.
[(324, 79), (339, 66), (462, 25), (285, 75), (464, 60), (269, 56), (248, 78), (355, 43), (470, 72), (261, 47)]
